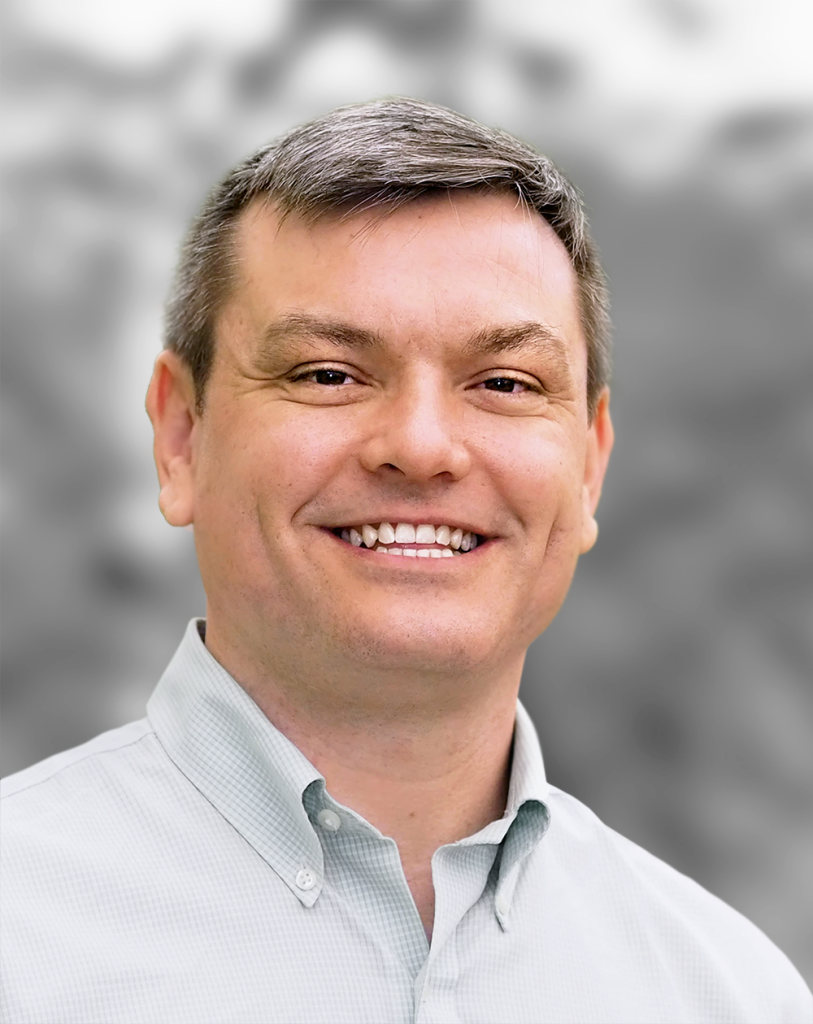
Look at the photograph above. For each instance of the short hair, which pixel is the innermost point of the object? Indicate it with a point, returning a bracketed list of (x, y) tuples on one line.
[(360, 158)]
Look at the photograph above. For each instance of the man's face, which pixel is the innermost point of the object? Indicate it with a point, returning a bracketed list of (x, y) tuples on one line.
[(424, 367)]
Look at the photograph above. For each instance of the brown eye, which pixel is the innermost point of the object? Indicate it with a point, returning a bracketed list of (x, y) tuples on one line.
[(505, 384), (329, 377)]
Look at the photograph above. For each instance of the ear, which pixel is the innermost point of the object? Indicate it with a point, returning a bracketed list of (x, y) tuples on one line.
[(600, 439), (171, 408)]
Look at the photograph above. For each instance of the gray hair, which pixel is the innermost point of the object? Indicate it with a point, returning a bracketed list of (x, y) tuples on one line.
[(360, 158)]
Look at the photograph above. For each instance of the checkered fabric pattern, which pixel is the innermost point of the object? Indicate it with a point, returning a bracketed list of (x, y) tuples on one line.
[(191, 868)]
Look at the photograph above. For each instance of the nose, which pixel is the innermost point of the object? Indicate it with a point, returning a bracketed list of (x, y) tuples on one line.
[(418, 433)]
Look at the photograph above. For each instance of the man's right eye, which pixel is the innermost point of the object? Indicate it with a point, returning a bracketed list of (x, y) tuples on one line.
[(325, 376)]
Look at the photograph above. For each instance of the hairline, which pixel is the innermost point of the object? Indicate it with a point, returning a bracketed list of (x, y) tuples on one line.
[(376, 157), (376, 208)]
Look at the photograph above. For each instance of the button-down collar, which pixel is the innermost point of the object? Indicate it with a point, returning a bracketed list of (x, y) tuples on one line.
[(245, 767), (275, 798)]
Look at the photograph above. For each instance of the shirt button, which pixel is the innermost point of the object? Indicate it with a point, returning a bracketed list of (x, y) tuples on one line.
[(305, 879), (329, 820), (501, 906)]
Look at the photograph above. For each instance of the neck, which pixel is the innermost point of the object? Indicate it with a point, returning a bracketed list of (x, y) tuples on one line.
[(424, 759)]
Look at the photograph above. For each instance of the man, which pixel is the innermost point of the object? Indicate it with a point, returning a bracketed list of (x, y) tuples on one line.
[(383, 406)]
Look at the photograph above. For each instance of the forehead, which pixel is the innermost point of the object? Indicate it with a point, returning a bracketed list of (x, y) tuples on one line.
[(431, 268)]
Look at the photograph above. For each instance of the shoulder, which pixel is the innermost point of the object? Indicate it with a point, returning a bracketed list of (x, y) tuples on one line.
[(44, 771), (80, 827), (699, 935), (583, 837), (84, 791), (73, 769)]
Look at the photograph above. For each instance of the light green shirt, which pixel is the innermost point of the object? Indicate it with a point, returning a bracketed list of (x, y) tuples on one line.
[(191, 868)]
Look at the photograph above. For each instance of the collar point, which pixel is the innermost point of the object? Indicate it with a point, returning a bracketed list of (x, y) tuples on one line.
[(307, 899), (502, 910)]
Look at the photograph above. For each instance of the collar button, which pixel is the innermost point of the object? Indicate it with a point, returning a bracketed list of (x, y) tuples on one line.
[(305, 879), (329, 820)]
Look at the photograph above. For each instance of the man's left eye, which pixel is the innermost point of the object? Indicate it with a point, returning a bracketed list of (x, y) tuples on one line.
[(508, 385)]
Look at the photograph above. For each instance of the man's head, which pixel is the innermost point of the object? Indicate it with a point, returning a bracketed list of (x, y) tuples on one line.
[(420, 361), (378, 155)]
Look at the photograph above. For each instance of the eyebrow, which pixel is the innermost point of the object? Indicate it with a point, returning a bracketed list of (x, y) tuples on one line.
[(511, 337), (298, 325), (489, 341)]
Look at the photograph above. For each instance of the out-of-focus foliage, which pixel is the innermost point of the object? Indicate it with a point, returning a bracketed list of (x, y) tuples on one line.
[(674, 694)]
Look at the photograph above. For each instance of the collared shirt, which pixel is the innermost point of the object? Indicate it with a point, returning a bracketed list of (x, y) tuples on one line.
[(192, 867)]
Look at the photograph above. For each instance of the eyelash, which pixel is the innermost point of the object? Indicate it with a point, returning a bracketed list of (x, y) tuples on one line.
[(527, 385)]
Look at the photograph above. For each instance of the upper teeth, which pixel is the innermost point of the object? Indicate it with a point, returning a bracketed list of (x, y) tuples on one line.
[(406, 533)]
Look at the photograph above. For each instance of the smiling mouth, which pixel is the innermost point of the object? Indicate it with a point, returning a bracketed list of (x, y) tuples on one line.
[(411, 541)]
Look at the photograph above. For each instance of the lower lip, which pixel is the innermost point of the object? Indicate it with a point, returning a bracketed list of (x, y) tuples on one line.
[(404, 562)]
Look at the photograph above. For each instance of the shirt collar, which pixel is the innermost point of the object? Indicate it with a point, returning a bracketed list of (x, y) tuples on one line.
[(526, 809), (257, 779), (230, 751), (528, 781)]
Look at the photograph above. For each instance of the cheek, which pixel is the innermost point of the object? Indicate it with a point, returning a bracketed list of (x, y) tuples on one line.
[(542, 481), (270, 462)]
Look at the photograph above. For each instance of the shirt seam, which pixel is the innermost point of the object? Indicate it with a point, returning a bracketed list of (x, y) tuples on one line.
[(74, 764)]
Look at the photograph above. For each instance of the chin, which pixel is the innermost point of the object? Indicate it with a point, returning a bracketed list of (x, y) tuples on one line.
[(420, 646)]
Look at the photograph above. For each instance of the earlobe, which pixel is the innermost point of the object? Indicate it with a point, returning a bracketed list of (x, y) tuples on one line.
[(600, 439), (171, 408), (589, 526)]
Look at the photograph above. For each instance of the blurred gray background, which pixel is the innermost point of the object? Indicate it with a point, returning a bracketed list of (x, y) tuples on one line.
[(674, 693)]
